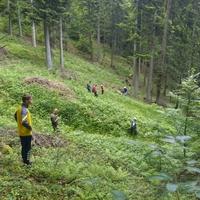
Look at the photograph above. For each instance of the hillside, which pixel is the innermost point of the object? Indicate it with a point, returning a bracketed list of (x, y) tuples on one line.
[(100, 159)]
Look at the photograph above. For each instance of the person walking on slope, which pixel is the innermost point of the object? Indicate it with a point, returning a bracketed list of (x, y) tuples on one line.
[(24, 123), (94, 90), (102, 89), (88, 86), (54, 119)]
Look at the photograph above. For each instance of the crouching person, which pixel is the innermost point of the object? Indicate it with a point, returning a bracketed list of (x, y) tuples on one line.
[(24, 124), (133, 128)]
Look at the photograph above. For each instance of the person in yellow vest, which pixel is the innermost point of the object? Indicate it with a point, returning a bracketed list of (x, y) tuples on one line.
[(24, 123)]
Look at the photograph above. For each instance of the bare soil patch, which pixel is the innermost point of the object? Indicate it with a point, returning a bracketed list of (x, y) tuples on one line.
[(8, 136), (62, 89)]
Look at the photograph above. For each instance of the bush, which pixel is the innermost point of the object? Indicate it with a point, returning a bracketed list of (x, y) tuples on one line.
[(84, 45)]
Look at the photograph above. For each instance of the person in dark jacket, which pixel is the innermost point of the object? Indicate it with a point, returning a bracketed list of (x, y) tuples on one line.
[(88, 86), (133, 128), (125, 91)]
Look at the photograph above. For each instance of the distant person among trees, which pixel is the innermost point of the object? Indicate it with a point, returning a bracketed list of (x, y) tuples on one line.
[(24, 123), (102, 89), (127, 81), (133, 128), (94, 90), (125, 91), (88, 86), (54, 119)]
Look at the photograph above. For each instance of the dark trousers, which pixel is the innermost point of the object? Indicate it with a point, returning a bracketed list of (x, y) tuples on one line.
[(133, 130), (26, 148), (55, 126)]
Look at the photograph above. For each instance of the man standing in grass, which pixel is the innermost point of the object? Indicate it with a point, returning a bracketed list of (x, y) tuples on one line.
[(24, 123)]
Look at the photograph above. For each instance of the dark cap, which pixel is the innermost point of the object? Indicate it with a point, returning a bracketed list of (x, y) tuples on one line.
[(26, 97)]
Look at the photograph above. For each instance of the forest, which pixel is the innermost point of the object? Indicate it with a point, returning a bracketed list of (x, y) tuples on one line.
[(159, 38), (51, 49)]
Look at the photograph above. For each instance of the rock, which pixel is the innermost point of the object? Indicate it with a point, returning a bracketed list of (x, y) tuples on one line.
[(6, 149)]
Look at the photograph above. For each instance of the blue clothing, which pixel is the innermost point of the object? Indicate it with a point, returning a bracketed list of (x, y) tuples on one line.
[(125, 91), (24, 117)]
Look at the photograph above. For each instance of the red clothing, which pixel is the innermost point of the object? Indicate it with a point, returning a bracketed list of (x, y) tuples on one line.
[(94, 89)]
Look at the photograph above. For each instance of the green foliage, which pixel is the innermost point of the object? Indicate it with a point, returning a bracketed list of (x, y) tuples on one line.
[(83, 45), (100, 160)]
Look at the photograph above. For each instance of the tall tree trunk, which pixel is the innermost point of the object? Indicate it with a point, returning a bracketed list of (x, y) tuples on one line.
[(34, 42), (112, 35), (61, 45), (145, 72), (135, 71), (186, 121), (10, 31), (163, 53), (104, 48), (47, 45), (139, 65), (137, 48), (165, 84), (139, 27), (191, 60), (98, 29), (53, 35), (150, 80), (113, 49), (91, 47), (98, 36), (177, 98), (149, 86), (19, 19)]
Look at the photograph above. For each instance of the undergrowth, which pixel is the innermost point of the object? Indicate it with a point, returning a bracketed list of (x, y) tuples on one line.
[(101, 160)]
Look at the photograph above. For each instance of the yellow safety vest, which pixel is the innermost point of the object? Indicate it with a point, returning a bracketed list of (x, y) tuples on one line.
[(23, 131)]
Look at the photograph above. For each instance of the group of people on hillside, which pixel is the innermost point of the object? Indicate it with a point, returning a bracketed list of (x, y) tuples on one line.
[(93, 88), (24, 124)]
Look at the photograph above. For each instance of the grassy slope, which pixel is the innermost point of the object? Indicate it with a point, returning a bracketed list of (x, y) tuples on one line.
[(95, 164)]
